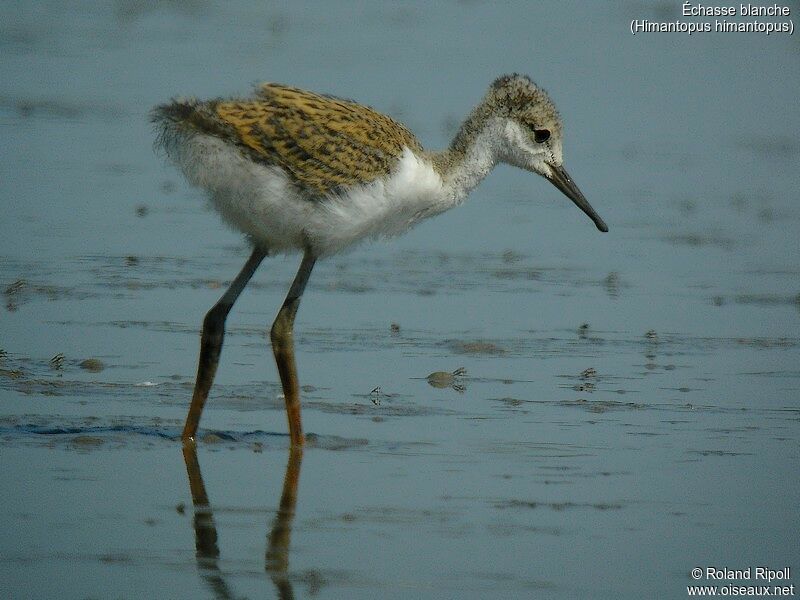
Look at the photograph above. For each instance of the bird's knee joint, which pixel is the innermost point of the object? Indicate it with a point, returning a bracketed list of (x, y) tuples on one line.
[(214, 321), (280, 334)]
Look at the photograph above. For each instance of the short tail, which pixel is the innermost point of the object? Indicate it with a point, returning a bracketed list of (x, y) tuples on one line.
[(177, 111), (182, 117)]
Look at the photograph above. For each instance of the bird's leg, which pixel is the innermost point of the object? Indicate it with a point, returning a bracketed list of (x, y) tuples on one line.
[(283, 348), (211, 342)]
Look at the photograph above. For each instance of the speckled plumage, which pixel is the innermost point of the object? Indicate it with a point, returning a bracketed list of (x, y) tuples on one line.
[(295, 170), (323, 143)]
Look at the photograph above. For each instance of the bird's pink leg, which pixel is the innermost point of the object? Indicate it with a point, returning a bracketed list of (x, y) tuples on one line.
[(282, 336)]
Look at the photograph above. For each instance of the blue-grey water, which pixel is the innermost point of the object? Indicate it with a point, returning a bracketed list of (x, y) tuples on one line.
[(631, 403)]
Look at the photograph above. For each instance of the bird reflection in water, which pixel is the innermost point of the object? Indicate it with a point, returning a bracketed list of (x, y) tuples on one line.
[(205, 531)]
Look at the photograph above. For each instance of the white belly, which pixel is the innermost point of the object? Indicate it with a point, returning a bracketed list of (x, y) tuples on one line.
[(262, 202)]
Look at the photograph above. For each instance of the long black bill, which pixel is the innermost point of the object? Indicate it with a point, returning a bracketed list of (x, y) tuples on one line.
[(561, 179)]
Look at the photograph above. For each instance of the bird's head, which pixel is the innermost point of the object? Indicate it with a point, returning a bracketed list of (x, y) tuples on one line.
[(531, 135)]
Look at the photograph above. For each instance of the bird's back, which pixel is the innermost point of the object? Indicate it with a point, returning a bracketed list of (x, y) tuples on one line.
[(322, 143)]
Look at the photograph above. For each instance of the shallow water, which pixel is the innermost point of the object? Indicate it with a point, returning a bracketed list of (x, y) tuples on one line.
[(629, 408)]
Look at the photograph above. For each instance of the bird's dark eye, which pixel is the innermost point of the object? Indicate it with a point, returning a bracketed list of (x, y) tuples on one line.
[(541, 135)]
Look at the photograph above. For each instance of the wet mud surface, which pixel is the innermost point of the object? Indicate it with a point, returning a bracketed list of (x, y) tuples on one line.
[(502, 404)]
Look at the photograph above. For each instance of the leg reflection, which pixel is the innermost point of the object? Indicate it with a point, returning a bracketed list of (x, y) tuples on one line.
[(205, 530), (277, 556)]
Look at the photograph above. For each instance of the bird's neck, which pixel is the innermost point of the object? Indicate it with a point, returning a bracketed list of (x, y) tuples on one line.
[(472, 154)]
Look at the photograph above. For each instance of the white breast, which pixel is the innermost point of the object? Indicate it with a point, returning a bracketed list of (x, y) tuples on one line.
[(261, 201), (385, 207)]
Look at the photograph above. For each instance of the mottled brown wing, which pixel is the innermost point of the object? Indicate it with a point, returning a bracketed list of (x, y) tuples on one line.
[(323, 143)]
